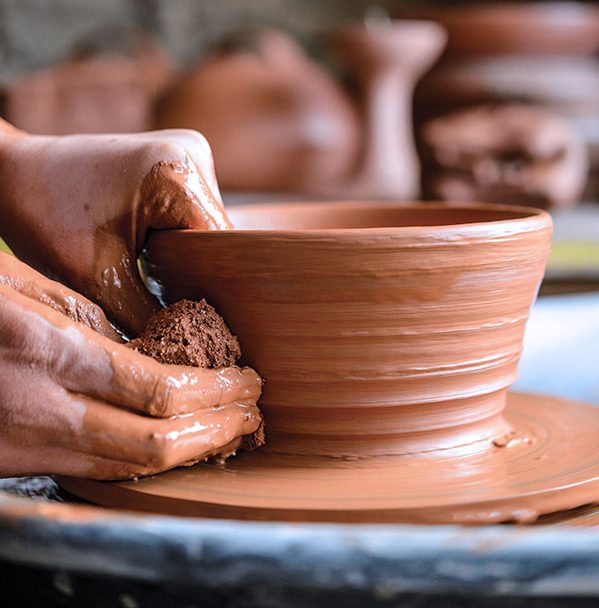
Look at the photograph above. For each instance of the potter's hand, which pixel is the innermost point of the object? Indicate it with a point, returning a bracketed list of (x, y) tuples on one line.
[(75, 402), (508, 153), (78, 208)]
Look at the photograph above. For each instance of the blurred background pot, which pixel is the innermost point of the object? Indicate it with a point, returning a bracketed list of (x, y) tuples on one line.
[(92, 92), (277, 121), (540, 53)]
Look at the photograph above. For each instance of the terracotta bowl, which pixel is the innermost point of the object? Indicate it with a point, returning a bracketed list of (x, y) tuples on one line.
[(379, 328)]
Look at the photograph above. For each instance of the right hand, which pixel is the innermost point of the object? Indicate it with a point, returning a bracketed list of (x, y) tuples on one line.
[(75, 402)]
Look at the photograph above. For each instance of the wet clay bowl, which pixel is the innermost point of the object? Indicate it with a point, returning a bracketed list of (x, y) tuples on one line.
[(380, 329)]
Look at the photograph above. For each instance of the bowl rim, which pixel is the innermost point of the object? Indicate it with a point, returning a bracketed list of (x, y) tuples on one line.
[(526, 219)]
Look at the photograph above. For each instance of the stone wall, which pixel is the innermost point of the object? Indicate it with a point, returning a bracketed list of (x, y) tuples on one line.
[(36, 33)]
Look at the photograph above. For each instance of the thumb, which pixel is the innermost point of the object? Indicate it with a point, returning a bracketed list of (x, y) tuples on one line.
[(120, 291), (175, 194)]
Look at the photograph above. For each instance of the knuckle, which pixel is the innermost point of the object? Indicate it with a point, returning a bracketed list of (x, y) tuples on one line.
[(161, 404), (157, 451), (193, 137), (174, 150), (202, 146), (41, 345), (160, 151), (193, 144)]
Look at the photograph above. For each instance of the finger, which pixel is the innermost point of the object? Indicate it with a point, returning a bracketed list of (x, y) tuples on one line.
[(187, 142), (66, 432), (32, 284), (65, 461), (199, 150), (178, 192), (160, 444), (143, 384), (175, 194), (77, 464), (42, 433), (128, 303)]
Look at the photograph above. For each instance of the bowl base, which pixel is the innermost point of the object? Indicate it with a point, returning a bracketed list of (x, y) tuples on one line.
[(549, 464)]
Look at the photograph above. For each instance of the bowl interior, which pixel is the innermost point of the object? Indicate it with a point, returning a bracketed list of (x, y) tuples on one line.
[(331, 216)]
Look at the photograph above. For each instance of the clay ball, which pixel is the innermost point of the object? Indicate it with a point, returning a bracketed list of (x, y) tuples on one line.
[(189, 333)]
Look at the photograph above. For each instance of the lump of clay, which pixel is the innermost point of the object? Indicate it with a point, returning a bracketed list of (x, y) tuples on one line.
[(508, 153), (193, 333), (189, 333)]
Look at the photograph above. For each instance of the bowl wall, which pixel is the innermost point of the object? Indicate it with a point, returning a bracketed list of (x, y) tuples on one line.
[(378, 328)]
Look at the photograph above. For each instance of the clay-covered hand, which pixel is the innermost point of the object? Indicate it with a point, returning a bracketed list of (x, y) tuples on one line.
[(76, 402), (22, 278), (78, 208), (508, 153)]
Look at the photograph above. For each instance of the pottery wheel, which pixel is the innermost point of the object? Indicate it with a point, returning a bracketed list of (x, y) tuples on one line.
[(550, 464)]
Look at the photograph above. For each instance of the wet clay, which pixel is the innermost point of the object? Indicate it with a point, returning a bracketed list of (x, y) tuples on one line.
[(388, 336), (80, 403), (380, 329), (194, 334), (76, 400), (26, 281), (517, 153), (188, 333)]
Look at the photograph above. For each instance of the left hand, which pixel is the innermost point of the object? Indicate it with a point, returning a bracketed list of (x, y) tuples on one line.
[(78, 208)]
